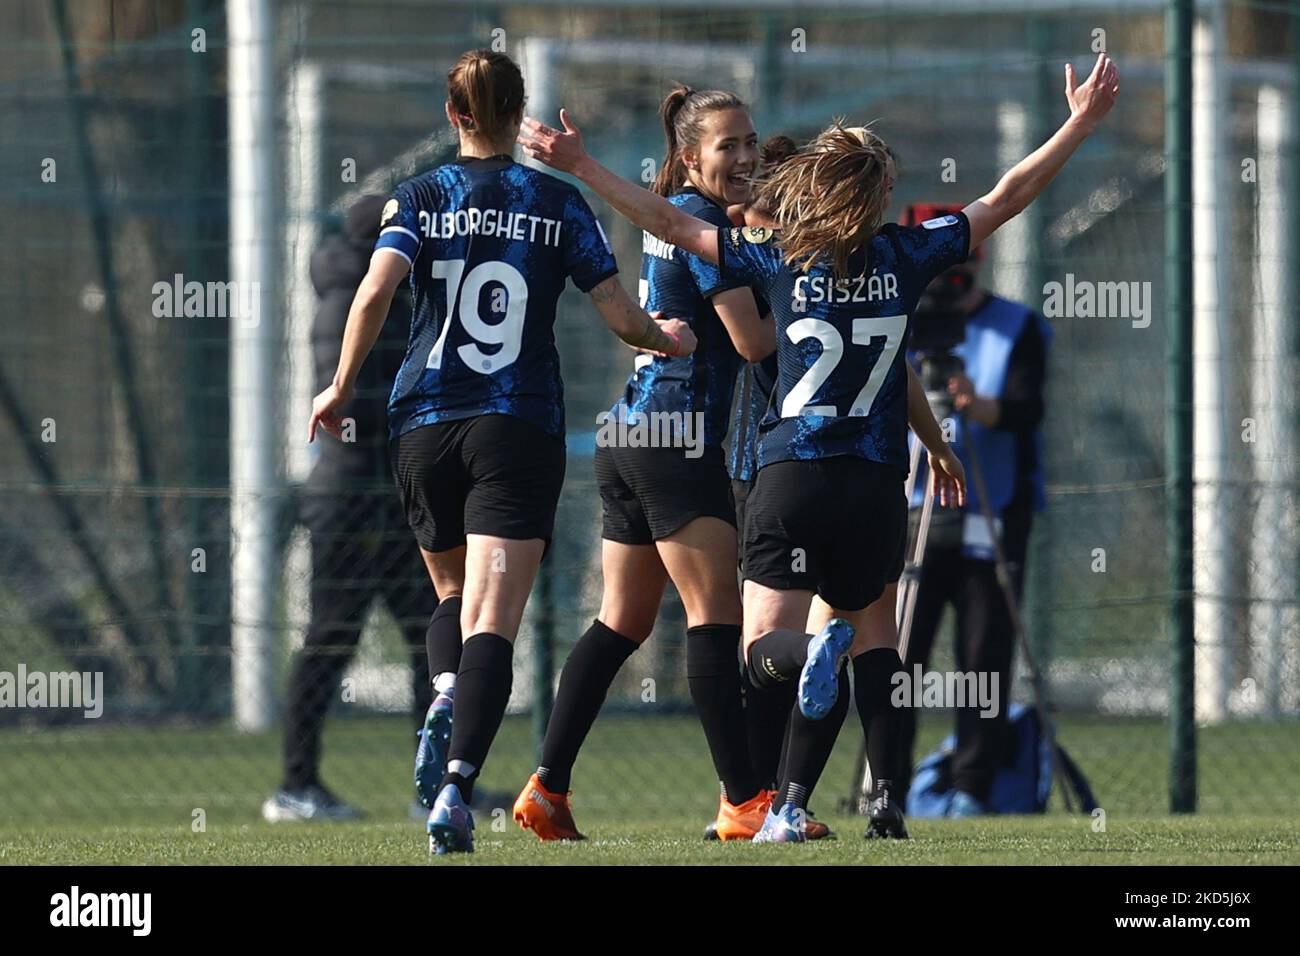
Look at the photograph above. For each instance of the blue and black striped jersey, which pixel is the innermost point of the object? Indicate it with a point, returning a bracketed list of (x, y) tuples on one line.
[(841, 384), (679, 285), (491, 244), (754, 386)]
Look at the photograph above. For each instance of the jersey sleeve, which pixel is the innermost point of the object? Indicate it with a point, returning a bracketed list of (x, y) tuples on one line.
[(748, 255), (588, 257), (708, 277), (933, 246), (399, 225)]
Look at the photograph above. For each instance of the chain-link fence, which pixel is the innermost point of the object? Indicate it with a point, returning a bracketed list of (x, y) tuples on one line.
[(119, 542)]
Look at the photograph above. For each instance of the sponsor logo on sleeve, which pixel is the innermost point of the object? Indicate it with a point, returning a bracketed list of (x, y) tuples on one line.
[(940, 222)]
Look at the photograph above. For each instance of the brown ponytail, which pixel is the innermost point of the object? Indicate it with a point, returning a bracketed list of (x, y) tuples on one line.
[(486, 92), (774, 151), (682, 115)]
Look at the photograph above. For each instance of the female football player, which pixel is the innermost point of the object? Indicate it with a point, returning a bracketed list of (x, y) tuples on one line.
[(827, 515), (476, 416), (767, 710), (667, 508)]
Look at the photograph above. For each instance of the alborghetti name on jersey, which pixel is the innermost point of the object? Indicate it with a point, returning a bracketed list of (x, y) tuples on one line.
[(498, 223)]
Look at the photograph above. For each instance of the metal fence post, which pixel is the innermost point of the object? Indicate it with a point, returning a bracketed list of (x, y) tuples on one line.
[(1178, 404)]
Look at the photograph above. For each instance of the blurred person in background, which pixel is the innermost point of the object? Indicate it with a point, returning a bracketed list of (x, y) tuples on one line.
[(999, 405), (362, 548)]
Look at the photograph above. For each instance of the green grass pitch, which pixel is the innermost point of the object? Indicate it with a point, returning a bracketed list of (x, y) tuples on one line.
[(643, 786)]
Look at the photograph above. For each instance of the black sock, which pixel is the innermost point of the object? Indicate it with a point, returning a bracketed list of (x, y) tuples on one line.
[(767, 717), (873, 675), (442, 640), (714, 680), (810, 746), (777, 657), (785, 745), (584, 682), (482, 692)]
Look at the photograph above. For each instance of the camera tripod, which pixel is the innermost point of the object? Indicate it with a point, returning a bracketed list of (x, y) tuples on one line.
[(936, 369)]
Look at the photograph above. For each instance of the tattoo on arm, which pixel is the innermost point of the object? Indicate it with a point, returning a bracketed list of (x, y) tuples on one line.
[(604, 292), (653, 338), (649, 336)]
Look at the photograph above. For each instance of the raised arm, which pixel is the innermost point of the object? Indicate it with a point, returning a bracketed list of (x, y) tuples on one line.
[(1089, 102), (365, 321), (563, 150)]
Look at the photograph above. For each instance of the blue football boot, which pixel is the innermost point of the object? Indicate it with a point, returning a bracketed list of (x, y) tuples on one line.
[(451, 825), (819, 683), (788, 826), (431, 754)]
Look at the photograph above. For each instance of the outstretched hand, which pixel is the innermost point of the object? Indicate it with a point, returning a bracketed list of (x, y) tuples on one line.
[(562, 150), (947, 479), (1092, 99)]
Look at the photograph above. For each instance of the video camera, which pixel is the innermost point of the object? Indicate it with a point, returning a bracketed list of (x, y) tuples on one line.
[(938, 325)]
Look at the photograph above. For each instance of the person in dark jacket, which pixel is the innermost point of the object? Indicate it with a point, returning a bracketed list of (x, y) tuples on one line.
[(362, 547)]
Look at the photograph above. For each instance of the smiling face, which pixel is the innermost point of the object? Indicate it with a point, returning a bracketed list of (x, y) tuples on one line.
[(723, 162)]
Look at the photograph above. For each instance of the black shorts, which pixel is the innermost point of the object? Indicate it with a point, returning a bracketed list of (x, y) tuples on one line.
[(836, 526), (648, 493), (494, 474)]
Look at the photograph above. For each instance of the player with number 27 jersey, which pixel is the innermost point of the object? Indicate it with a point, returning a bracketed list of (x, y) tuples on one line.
[(491, 244), (841, 342)]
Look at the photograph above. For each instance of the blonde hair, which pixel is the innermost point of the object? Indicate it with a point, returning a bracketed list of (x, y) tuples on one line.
[(829, 198)]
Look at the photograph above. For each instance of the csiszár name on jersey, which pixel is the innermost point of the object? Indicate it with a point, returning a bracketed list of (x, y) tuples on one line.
[(814, 289)]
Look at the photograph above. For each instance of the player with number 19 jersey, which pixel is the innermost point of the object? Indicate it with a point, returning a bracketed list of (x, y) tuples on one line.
[(491, 244), (476, 417)]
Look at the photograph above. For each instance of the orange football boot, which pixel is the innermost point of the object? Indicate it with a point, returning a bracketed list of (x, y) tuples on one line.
[(815, 829), (742, 821), (546, 814)]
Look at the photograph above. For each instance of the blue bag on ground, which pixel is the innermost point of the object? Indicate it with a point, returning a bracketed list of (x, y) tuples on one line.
[(1021, 785)]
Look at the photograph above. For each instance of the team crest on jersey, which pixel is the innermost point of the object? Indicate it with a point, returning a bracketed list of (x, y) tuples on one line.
[(390, 210), (756, 234), (940, 222)]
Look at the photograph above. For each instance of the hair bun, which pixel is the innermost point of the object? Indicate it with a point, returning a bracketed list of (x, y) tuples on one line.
[(776, 150)]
